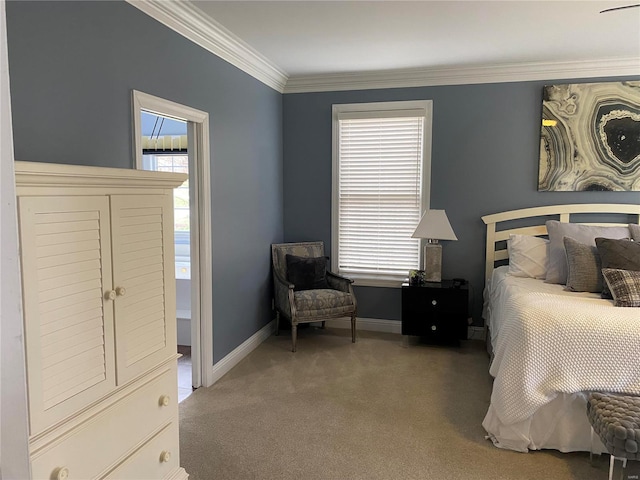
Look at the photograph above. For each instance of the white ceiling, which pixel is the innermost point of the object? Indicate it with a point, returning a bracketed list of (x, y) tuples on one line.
[(305, 38)]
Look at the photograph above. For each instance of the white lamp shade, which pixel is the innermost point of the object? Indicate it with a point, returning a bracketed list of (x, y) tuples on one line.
[(434, 225)]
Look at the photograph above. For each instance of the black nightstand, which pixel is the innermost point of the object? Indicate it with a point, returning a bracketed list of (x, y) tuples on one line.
[(437, 312)]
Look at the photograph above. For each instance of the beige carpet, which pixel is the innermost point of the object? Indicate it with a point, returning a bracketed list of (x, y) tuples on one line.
[(376, 409)]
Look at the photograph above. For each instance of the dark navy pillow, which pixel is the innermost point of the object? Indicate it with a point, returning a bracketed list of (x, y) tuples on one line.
[(307, 273)]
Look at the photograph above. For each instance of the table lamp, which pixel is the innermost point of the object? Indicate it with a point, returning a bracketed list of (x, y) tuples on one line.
[(434, 225)]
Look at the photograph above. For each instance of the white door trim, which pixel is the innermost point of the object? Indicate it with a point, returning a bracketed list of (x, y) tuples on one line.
[(14, 435), (201, 240)]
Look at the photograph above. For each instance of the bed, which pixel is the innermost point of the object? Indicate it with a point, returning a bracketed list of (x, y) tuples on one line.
[(549, 346)]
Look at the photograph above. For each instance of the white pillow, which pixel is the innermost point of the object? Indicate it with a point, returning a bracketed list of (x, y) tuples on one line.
[(527, 256)]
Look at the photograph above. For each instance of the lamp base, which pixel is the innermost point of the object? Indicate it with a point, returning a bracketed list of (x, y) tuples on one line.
[(433, 262)]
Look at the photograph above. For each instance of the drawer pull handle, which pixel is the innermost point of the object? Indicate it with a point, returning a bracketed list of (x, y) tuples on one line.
[(120, 291), (434, 328), (434, 302), (61, 473), (165, 400), (110, 295), (165, 456)]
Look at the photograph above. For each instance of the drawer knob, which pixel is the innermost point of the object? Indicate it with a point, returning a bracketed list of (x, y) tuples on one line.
[(61, 473), (434, 328), (434, 302), (110, 295), (165, 456), (120, 291), (165, 400)]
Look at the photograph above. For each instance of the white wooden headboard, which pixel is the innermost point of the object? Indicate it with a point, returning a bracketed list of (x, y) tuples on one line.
[(536, 217)]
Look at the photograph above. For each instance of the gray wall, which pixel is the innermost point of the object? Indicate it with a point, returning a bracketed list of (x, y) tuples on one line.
[(73, 66), (484, 160)]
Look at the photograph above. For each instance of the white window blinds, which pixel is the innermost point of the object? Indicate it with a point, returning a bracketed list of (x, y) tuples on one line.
[(379, 186)]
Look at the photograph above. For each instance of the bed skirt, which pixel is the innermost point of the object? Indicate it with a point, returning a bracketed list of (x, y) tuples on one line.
[(561, 425)]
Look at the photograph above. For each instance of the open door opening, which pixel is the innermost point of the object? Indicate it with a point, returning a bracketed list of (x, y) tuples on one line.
[(165, 149), (175, 138)]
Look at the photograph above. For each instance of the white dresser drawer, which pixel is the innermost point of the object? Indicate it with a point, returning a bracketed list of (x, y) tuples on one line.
[(157, 459), (94, 446)]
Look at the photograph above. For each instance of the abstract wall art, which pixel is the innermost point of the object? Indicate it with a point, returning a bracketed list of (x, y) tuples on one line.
[(590, 137)]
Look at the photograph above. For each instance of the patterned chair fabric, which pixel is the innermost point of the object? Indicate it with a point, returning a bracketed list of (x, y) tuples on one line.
[(307, 306)]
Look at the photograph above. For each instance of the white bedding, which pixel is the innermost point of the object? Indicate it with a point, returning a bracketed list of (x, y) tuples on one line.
[(550, 344)]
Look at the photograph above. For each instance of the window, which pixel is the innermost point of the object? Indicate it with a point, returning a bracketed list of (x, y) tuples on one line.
[(381, 175), (178, 163)]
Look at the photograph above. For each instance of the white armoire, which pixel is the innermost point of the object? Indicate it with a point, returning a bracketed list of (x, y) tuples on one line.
[(98, 281)]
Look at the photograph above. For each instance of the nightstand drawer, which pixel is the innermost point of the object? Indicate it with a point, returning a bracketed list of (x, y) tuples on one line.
[(451, 300), (436, 330), (436, 326), (436, 312)]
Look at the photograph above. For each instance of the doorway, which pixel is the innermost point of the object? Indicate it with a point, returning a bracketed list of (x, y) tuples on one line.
[(164, 149), (174, 137)]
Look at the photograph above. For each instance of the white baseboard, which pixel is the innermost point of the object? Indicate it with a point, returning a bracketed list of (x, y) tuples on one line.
[(232, 359), (368, 324)]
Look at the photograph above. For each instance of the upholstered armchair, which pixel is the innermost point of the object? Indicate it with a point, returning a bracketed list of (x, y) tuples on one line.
[(305, 291)]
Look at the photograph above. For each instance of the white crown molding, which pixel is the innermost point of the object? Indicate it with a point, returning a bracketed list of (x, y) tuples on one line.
[(190, 22), (423, 77)]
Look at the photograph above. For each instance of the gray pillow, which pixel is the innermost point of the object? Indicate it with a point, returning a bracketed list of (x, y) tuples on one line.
[(557, 267), (618, 254), (583, 267), (634, 228), (625, 286)]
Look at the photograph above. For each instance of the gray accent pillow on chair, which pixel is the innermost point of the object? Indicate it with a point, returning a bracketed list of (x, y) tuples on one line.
[(583, 267), (618, 254), (557, 269), (634, 228)]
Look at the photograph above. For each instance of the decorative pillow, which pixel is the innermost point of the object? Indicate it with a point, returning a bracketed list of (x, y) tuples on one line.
[(527, 256), (583, 267), (307, 273), (624, 285), (634, 228), (621, 254), (557, 269)]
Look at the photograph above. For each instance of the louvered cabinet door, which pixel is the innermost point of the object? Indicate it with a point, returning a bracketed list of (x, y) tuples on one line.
[(144, 281), (66, 272)]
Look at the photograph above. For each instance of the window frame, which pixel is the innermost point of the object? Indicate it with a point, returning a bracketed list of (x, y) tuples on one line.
[(370, 109)]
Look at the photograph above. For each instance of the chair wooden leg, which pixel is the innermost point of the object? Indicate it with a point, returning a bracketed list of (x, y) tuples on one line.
[(323, 324), (353, 328), (294, 336), (277, 323)]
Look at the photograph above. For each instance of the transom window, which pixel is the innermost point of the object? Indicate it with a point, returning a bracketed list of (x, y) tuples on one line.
[(381, 175)]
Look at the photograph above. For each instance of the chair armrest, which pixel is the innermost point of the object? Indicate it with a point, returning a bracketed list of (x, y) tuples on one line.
[(283, 281), (283, 295), (339, 282)]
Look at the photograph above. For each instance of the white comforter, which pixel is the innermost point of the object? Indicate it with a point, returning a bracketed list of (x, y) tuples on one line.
[(548, 341)]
